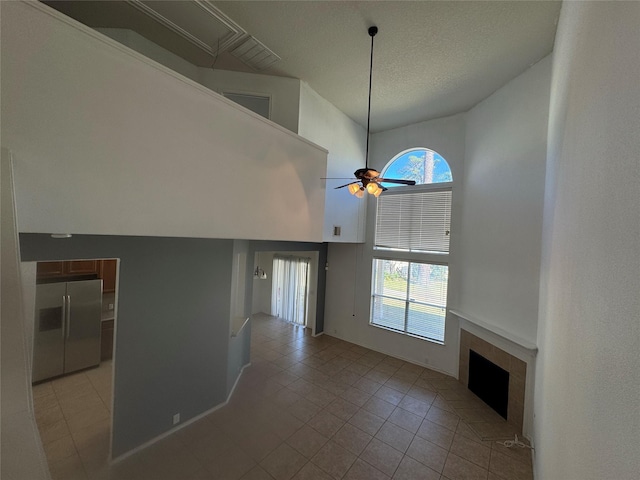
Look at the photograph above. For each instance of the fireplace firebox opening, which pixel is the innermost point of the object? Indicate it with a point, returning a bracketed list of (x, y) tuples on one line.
[(489, 382)]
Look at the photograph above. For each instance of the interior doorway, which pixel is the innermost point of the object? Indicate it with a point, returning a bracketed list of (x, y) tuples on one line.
[(290, 289), (265, 277), (74, 320)]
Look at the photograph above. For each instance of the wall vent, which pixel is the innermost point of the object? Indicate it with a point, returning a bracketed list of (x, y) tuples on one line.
[(256, 103)]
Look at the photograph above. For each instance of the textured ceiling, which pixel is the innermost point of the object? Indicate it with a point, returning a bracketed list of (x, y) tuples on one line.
[(431, 59)]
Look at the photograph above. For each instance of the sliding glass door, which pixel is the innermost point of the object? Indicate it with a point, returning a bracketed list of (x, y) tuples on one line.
[(290, 289)]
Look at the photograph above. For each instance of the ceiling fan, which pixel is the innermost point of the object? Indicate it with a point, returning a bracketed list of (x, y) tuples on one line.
[(368, 179)]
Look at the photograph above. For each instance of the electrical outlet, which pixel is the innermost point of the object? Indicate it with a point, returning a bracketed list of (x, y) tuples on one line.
[(111, 306), (176, 419)]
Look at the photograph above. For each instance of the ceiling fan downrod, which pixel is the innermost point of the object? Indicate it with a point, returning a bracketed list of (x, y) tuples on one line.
[(372, 33), (367, 179)]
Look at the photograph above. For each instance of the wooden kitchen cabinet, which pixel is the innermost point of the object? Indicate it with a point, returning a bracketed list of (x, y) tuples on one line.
[(106, 340), (108, 270), (49, 269), (67, 268), (81, 267)]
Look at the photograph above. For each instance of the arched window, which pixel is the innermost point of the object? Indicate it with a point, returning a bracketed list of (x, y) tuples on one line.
[(410, 269), (423, 165)]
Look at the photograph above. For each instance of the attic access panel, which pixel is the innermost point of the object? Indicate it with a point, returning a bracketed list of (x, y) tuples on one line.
[(200, 23)]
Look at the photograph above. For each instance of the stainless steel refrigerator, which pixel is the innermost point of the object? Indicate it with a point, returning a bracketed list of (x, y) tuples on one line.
[(67, 327)]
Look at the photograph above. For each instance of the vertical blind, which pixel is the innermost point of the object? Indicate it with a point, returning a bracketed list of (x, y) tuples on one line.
[(289, 291), (415, 221)]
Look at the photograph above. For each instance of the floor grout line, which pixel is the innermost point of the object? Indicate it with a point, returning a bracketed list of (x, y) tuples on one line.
[(310, 362)]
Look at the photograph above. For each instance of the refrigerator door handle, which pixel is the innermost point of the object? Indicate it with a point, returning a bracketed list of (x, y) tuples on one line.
[(68, 316), (64, 315)]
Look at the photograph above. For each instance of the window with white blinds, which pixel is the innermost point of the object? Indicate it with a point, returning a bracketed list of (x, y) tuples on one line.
[(410, 297), (413, 221), (411, 240)]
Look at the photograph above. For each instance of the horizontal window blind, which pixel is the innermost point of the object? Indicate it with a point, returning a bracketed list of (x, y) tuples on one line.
[(410, 297), (427, 301), (414, 221)]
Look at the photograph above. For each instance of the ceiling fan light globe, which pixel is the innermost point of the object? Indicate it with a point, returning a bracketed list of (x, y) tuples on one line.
[(377, 192), (360, 193), (372, 188), (353, 188)]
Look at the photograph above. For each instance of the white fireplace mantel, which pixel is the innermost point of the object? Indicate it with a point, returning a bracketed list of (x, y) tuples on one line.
[(510, 343)]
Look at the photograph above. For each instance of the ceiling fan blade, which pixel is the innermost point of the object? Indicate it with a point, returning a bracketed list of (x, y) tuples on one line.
[(395, 180), (345, 185)]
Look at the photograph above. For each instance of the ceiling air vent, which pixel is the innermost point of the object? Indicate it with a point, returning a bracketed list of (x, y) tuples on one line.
[(255, 54)]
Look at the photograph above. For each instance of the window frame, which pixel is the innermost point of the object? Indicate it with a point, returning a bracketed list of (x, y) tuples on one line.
[(407, 299), (409, 256), (398, 156)]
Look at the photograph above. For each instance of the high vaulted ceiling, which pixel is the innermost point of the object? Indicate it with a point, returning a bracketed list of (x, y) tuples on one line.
[(431, 58)]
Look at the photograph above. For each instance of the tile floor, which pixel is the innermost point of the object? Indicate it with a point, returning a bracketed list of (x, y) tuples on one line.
[(307, 408), (73, 414)]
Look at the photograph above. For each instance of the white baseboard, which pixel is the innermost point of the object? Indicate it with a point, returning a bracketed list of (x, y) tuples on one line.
[(408, 360), (235, 384), (182, 425)]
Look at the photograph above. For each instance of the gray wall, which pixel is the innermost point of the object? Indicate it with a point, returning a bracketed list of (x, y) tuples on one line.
[(172, 332), (240, 346)]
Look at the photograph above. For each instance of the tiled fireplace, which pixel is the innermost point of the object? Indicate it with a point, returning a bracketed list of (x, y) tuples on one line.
[(510, 352), (516, 369)]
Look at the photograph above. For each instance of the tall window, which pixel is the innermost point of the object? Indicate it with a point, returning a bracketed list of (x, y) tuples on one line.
[(410, 265)]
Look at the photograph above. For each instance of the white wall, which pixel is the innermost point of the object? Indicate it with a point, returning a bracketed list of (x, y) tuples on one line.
[(109, 142), (149, 49), (502, 203), (262, 288), (587, 402), (325, 125), (22, 453), (284, 92), (348, 294), (497, 154), (295, 106)]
